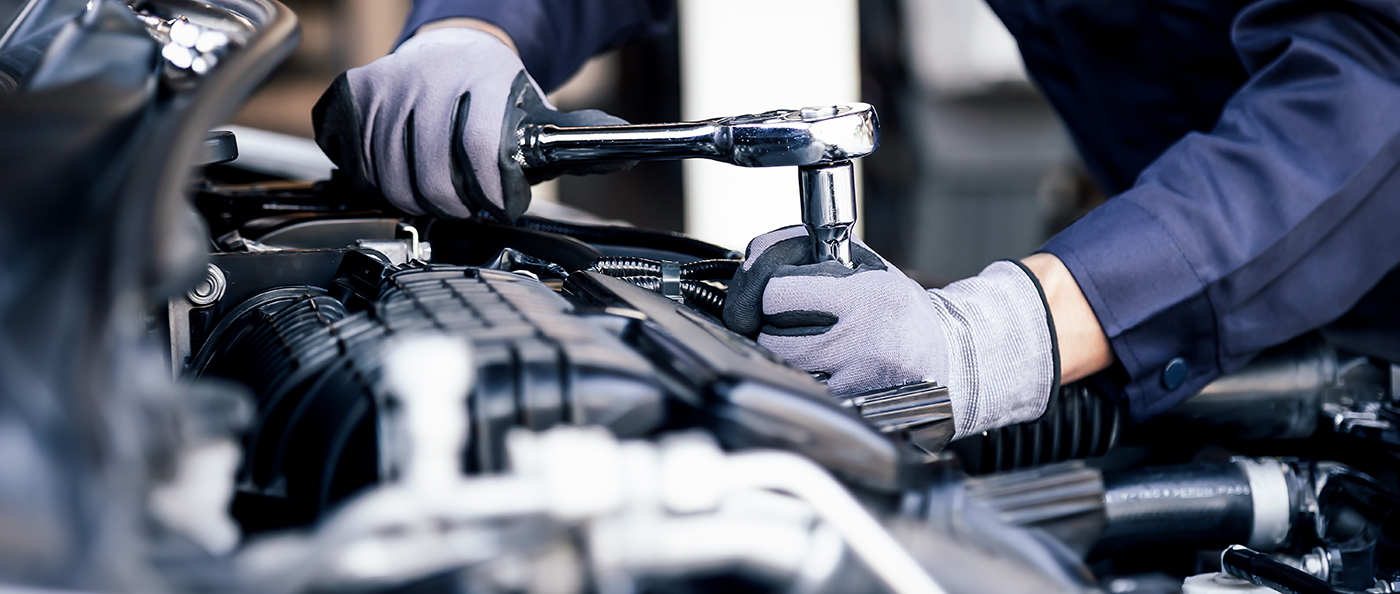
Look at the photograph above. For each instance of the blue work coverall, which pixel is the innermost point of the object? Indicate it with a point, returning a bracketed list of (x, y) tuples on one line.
[(1253, 148)]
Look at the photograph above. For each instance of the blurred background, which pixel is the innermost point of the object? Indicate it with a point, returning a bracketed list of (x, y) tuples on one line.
[(974, 165)]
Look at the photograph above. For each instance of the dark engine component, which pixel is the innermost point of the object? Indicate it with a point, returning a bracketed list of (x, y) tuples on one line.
[(1280, 395), (744, 394), (629, 237), (1264, 502), (1079, 422), (1202, 504), (317, 370)]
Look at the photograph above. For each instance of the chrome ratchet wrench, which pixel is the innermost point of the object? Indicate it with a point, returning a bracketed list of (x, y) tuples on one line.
[(819, 141)]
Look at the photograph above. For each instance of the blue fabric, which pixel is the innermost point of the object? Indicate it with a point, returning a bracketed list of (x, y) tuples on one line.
[(1254, 147), (554, 37)]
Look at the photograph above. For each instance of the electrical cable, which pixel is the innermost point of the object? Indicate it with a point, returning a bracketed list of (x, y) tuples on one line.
[(629, 236), (1262, 570)]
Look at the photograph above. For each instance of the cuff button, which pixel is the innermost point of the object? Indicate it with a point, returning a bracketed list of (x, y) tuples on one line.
[(1174, 374)]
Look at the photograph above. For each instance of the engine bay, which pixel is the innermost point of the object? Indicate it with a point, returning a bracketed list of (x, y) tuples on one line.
[(566, 326)]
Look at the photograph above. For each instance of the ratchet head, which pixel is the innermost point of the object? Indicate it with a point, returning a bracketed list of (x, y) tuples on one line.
[(800, 137)]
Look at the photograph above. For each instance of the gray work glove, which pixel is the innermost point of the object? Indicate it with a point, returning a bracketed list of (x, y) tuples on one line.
[(431, 127), (988, 338)]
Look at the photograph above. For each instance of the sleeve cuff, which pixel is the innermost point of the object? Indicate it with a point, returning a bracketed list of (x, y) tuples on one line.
[(523, 20)]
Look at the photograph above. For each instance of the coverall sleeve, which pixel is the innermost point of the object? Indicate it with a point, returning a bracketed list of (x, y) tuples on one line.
[(1272, 223), (555, 37)]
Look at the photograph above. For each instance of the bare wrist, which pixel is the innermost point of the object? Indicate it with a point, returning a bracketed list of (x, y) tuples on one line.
[(471, 23), (1084, 348)]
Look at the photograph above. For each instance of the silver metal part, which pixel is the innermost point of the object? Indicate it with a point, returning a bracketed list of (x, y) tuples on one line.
[(821, 141), (1065, 500), (923, 411), (420, 250), (1273, 503), (790, 137), (220, 146), (828, 199), (1354, 405), (671, 281), (401, 250), (188, 49), (209, 290)]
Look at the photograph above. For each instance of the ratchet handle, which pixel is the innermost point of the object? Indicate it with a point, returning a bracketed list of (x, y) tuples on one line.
[(789, 137), (549, 145)]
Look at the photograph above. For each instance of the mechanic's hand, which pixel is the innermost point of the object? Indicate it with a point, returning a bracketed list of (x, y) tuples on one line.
[(988, 338), (431, 127)]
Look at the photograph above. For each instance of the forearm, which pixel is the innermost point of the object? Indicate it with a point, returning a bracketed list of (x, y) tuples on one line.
[(471, 23), (552, 37), (1084, 348)]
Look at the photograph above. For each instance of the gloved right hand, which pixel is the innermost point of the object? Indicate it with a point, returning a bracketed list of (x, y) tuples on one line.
[(431, 128), (988, 338)]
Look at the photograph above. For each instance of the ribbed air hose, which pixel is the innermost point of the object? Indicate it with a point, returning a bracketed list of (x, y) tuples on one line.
[(624, 266), (271, 336), (697, 294), (1079, 422), (317, 370)]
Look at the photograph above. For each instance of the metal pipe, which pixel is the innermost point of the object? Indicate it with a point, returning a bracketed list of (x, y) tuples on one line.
[(546, 145)]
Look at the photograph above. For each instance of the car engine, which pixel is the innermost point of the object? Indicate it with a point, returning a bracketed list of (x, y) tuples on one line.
[(217, 377)]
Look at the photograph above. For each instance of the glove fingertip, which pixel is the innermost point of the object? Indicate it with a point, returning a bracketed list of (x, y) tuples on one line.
[(741, 315), (339, 131), (515, 188)]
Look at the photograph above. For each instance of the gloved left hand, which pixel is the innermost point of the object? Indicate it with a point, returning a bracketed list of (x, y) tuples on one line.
[(988, 338), (431, 128)]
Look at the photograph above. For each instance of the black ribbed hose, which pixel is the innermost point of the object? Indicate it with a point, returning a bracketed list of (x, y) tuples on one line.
[(710, 269), (696, 294), (625, 266), (1079, 422)]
